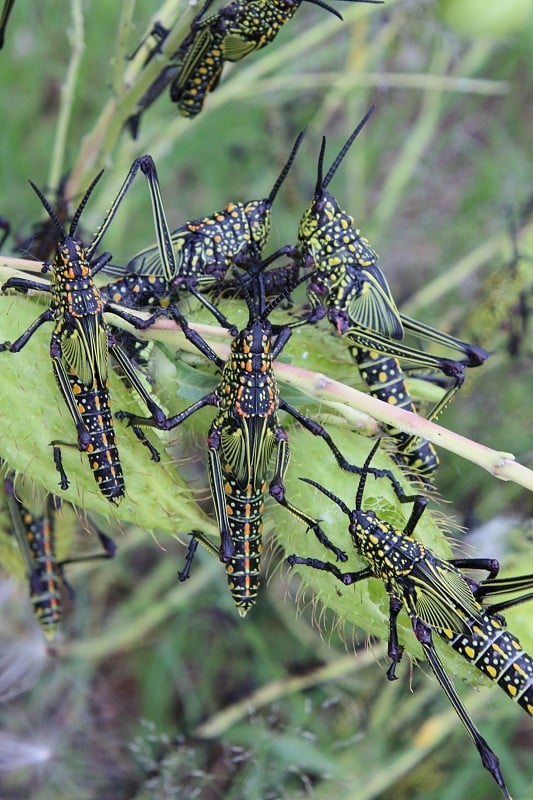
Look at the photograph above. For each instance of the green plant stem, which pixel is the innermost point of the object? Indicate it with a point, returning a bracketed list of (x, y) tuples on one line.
[(120, 55), (99, 143), (68, 91), (220, 722), (394, 80), (500, 464), (432, 733), (132, 624), (246, 74), (431, 293), (416, 143)]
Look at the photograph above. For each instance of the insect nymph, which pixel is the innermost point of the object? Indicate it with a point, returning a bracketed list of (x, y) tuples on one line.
[(437, 598), (35, 532), (227, 35), (248, 448), (347, 286), (81, 339), (205, 250)]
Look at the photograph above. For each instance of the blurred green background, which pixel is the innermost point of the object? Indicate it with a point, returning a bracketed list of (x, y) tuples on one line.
[(159, 689)]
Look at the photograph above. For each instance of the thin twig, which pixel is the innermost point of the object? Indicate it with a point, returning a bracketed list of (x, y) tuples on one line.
[(220, 722), (323, 389), (68, 91)]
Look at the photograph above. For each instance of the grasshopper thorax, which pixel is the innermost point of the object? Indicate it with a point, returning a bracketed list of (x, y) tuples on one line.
[(320, 219), (71, 260), (258, 217), (253, 344)]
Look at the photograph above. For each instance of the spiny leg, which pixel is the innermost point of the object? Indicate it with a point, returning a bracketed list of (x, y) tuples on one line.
[(490, 565), (197, 537), (216, 482), (131, 374), (394, 651), (64, 481), (218, 315), (277, 491), (189, 556), (474, 355), (347, 578), (175, 314), (523, 584), (143, 439), (167, 423), (488, 757), (18, 344), (317, 430), (109, 548)]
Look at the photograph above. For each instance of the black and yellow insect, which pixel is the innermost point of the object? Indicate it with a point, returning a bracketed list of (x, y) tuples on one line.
[(36, 543), (35, 535), (347, 285), (491, 647), (504, 297), (205, 250), (437, 598), (245, 437), (386, 381), (229, 34), (81, 340)]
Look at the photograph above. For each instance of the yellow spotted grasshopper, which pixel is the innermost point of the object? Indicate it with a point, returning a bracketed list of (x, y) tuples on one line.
[(347, 286), (437, 598), (205, 250), (35, 535), (229, 34), (246, 437), (81, 339), (504, 297)]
